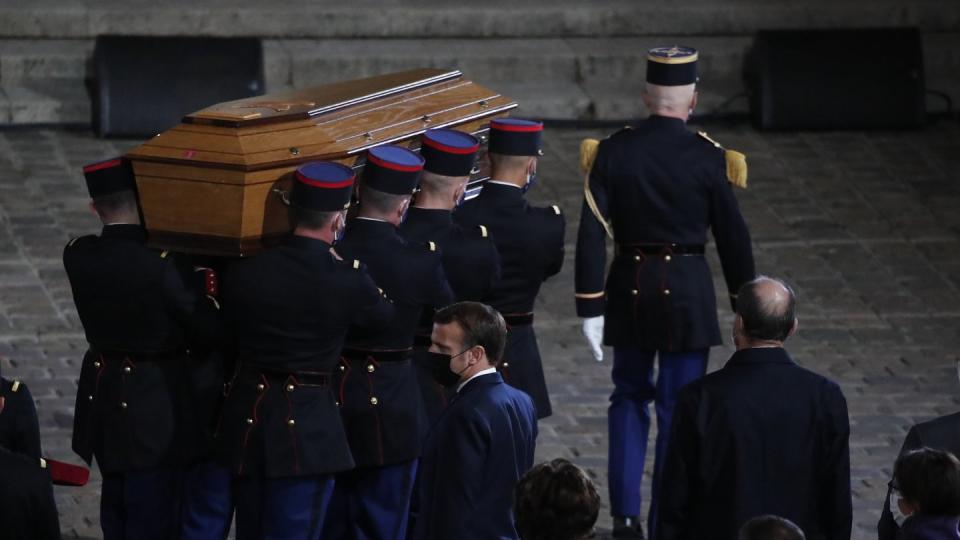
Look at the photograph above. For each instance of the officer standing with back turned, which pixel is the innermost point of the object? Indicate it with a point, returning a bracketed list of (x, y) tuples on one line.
[(655, 190), (530, 242), (288, 310), (142, 317), (377, 386)]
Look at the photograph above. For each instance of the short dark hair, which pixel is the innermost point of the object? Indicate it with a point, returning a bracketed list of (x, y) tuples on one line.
[(311, 219), (111, 204), (770, 528), (931, 479), (556, 500), (481, 324), (763, 318), (379, 201)]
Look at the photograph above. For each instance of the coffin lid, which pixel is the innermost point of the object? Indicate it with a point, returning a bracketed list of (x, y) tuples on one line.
[(333, 121)]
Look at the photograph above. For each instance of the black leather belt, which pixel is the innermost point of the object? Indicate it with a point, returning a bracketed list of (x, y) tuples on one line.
[(379, 356), (518, 319), (660, 249)]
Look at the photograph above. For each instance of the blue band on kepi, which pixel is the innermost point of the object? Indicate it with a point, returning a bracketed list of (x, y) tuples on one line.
[(672, 66), (449, 152), (515, 137), (323, 186), (392, 169), (109, 176)]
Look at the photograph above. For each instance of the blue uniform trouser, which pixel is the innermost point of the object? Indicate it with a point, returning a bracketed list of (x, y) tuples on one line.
[(629, 419), (207, 502), (372, 503), (282, 508), (141, 505)]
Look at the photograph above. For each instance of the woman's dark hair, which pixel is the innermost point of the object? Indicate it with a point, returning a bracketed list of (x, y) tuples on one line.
[(481, 324), (556, 501), (930, 479)]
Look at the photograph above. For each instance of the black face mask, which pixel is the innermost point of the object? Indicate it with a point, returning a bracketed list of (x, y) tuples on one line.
[(439, 364)]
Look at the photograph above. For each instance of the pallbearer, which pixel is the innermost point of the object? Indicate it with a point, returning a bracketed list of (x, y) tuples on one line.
[(530, 242), (656, 189), (470, 259), (142, 316), (377, 386), (290, 308)]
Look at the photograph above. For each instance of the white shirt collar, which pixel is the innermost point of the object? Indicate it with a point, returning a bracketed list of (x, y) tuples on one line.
[(500, 183), (475, 375), (371, 219)]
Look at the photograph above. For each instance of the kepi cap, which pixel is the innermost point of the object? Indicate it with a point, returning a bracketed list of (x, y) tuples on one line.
[(392, 169), (322, 186), (672, 66), (449, 152), (109, 176), (515, 137)]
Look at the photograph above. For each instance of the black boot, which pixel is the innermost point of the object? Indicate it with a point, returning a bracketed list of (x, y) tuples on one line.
[(627, 527)]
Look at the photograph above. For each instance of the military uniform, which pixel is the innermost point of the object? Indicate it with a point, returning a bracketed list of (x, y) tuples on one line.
[(27, 508), (376, 382), (141, 316), (19, 428), (530, 242), (656, 189), (289, 309), (471, 262)]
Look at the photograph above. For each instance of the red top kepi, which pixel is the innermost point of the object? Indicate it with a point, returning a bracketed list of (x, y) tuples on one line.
[(216, 183)]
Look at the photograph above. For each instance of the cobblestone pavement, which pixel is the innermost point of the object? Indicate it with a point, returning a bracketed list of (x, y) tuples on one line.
[(866, 225)]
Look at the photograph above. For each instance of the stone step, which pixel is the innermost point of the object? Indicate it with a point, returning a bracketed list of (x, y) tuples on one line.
[(57, 19), (579, 78)]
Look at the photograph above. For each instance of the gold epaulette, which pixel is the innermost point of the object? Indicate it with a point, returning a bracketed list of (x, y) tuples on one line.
[(163, 254), (15, 387), (356, 264), (432, 245), (736, 163), (556, 210), (72, 241), (588, 154), (483, 231)]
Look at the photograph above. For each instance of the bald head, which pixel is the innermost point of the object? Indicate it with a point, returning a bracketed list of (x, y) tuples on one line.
[(767, 308), (672, 101)]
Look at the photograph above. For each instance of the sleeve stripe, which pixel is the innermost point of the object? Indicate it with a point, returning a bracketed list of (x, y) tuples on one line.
[(590, 295)]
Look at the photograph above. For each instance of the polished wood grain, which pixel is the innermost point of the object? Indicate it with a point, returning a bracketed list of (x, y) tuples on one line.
[(215, 180)]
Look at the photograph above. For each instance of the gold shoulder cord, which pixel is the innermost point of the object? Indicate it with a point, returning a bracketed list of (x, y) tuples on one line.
[(588, 153)]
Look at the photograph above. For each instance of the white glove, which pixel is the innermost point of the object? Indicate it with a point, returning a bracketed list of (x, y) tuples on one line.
[(593, 331)]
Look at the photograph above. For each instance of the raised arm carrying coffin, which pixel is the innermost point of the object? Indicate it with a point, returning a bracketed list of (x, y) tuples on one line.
[(215, 183)]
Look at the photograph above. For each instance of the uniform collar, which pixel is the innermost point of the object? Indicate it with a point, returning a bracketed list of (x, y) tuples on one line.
[(306, 243), (665, 122), (501, 191), (761, 355), (370, 227), (433, 216), (124, 231)]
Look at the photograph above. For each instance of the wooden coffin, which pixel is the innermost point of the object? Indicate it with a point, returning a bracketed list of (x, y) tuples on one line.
[(215, 183)]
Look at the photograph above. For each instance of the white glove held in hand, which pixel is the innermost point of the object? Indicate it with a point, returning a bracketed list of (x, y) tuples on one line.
[(593, 331)]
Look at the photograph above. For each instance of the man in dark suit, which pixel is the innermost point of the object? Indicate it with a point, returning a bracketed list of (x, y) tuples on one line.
[(289, 309), (379, 396), (142, 314), (656, 190), (530, 242), (760, 436), (941, 433), (483, 442), (470, 259)]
